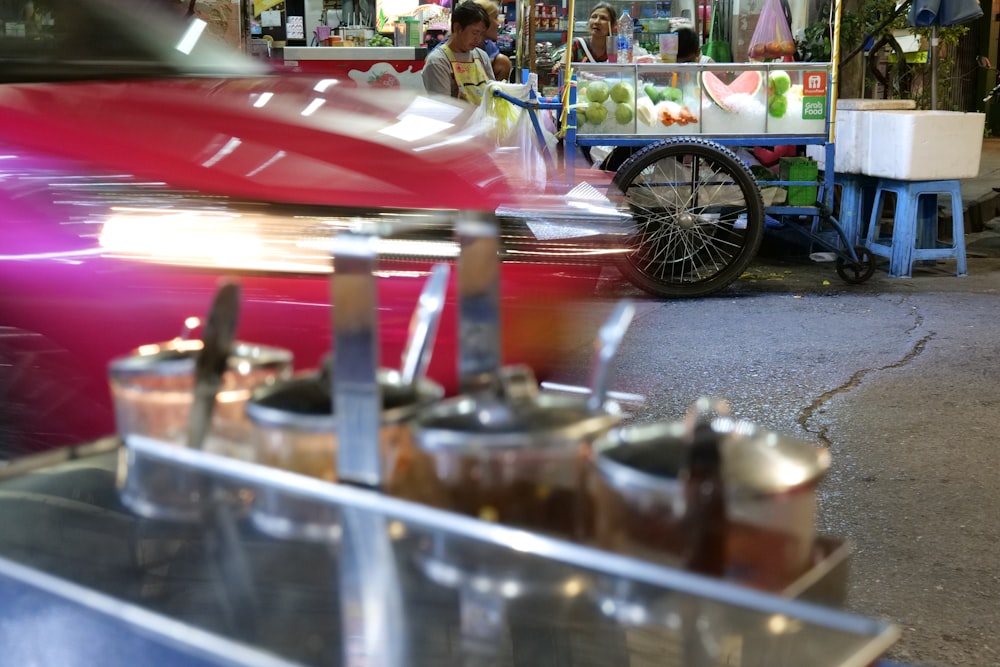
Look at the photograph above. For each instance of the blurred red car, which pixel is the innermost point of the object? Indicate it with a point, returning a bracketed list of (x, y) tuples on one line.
[(138, 164)]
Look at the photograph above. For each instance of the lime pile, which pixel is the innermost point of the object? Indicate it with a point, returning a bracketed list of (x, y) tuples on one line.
[(380, 40), (778, 84)]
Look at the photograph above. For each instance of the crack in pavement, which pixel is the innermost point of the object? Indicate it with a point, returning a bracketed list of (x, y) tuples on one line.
[(857, 377)]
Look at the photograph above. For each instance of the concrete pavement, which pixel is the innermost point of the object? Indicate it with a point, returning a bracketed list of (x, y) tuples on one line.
[(900, 378)]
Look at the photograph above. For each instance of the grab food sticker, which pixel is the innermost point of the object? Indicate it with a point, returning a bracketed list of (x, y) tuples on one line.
[(813, 108), (814, 84)]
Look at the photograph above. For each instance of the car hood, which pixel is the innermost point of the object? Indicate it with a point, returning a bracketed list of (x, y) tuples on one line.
[(294, 139)]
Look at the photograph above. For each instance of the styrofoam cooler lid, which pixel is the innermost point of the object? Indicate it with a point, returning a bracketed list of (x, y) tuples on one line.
[(875, 105)]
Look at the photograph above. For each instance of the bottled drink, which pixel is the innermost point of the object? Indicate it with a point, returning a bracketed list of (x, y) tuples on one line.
[(626, 38)]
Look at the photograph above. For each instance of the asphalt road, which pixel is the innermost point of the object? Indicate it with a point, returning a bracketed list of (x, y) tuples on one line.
[(899, 378)]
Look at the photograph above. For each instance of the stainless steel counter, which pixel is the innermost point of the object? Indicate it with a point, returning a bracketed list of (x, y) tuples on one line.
[(400, 584)]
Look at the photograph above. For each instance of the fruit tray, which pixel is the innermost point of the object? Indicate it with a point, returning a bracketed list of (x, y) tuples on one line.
[(649, 100)]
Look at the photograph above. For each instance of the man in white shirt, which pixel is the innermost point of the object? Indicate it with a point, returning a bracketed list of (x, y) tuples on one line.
[(458, 67)]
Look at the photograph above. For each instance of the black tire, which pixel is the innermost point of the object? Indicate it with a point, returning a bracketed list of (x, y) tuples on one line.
[(697, 226), (855, 274)]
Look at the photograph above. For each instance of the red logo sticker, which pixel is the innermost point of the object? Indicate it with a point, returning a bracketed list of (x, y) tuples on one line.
[(813, 84)]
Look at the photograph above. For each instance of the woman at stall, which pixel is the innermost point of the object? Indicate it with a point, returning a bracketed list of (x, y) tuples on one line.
[(594, 49), (458, 67)]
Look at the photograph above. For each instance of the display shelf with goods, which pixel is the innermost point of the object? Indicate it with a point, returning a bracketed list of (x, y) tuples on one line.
[(736, 103)]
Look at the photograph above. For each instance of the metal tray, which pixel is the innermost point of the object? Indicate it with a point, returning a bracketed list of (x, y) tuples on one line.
[(227, 594)]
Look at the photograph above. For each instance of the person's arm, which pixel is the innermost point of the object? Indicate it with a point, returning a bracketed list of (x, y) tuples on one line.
[(437, 74)]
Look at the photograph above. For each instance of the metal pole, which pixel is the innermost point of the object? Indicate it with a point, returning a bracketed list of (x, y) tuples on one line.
[(934, 66), (567, 70), (834, 69)]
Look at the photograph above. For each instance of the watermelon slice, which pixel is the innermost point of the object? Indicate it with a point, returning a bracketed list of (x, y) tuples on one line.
[(747, 83)]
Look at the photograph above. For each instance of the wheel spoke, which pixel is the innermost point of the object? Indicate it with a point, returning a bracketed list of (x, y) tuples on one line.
[(694, 223)]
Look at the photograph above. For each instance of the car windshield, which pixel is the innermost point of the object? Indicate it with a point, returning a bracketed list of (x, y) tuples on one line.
[(73, 40)]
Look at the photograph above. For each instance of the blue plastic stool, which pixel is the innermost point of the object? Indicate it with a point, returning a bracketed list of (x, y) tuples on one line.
[(914, 231), (857, 193)]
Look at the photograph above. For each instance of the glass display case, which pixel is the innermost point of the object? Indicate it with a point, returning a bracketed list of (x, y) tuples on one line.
[(735, 100)]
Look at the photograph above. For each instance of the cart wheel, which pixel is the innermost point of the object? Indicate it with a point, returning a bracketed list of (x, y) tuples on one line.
[(855, 274), (698, 217)]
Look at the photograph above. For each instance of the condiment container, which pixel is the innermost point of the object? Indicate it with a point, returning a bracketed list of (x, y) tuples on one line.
[(152, 390), (770, 497), (520, 458), (294, 429)]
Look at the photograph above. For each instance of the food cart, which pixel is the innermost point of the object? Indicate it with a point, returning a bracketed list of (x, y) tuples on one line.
[(699, 211)]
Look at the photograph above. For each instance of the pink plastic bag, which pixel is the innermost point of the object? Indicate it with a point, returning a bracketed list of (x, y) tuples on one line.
[(772, 38)]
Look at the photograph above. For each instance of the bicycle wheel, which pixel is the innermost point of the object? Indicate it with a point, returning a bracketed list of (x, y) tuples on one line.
[(698, 217)]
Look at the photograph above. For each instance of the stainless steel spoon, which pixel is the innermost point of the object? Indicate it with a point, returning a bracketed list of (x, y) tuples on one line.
[(424, 325), (608, 339), (217, 339)]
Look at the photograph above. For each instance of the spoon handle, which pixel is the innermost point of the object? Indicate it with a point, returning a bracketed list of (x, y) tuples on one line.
[(424, 325), (608, 339), (217, 340)]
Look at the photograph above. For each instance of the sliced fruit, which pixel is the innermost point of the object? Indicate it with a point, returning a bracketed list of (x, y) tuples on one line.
[(671, 113), (645, 110), (747, 83)]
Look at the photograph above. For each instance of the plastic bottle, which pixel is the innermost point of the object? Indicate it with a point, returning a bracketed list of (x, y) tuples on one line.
[(626, 39)]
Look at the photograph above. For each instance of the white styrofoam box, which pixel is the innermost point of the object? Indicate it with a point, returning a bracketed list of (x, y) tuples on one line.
[(851, 132), (862, 104), (923, 145), (908, 40)]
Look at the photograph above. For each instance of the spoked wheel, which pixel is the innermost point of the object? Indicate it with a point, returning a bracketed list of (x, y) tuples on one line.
[(698, 217), (858, 273)]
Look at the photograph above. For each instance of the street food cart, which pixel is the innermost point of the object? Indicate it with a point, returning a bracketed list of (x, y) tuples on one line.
[(699, 211)]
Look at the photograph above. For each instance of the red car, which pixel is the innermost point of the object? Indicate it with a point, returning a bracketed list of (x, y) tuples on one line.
[(139, 164)]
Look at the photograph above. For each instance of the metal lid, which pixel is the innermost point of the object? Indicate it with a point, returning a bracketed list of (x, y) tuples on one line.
[(649, 457), (546, 420), (304, 402), (177, 357)]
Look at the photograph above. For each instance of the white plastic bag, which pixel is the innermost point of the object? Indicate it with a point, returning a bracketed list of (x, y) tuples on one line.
[(520, 152)]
